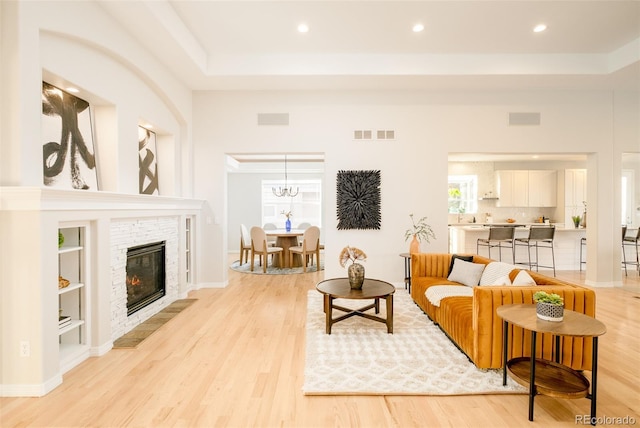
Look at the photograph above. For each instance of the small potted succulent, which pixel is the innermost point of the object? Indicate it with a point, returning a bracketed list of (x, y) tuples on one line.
[(576, 220), (549, 306)]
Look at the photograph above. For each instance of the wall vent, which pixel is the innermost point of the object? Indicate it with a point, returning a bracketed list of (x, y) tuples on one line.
[(362, 134), (517, 119), (386, 134), (268, 119)]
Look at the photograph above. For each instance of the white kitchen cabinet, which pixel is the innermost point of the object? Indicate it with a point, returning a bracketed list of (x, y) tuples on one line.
[(575, 193), (527, 188), (543, 191), (73, 299), (513, 188)]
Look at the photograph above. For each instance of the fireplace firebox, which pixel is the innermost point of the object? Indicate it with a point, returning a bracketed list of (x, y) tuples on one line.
[(145, 275)]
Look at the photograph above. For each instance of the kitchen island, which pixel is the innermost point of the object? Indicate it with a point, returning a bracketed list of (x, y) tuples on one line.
[(463, 238)]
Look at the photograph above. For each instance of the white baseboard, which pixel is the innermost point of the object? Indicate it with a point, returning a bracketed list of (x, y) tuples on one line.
[(31, 390)]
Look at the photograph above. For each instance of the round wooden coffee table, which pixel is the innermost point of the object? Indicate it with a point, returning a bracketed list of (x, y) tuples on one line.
[(339, 288)]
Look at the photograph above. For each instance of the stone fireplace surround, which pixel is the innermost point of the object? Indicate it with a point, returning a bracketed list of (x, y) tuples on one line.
[(31, 217), (128, 233)]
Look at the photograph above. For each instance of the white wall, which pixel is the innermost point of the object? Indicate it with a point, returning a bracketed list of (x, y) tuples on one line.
[(414, 166)]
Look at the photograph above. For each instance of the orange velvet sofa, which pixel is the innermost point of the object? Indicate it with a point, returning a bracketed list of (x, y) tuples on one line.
[(472, 324)]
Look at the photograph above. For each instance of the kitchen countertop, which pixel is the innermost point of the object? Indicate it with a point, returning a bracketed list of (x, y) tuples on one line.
[(483, 226)]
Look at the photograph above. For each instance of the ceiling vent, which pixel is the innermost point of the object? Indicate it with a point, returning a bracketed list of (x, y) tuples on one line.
[(268, 119), (518, 119), (387, 134), (362, 134)]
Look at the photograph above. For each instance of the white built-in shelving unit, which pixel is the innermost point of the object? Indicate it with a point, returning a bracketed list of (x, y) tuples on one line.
[(73, 300)]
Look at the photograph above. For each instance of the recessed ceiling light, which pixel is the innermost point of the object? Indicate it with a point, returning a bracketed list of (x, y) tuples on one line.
[(539, 28), (73, 90), (418, 28), (303, 28)]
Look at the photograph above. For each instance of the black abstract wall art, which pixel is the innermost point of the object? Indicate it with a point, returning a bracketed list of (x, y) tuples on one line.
[(68, 157), (358, 200), (147, 160)]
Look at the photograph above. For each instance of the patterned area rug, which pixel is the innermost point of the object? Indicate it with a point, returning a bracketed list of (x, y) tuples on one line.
[(359, 357), (257, 269), (139, 333)]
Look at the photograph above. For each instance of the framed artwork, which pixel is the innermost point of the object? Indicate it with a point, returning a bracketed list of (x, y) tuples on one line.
[(147, 161), (358, 200), (68, 157)]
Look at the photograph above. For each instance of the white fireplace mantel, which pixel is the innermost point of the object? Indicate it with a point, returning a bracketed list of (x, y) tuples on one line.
[(46, 199)]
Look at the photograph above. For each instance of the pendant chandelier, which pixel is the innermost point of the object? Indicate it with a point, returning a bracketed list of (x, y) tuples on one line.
[(286, 190)]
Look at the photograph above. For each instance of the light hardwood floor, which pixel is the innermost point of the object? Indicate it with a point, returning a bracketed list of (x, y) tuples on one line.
[(236, 359)]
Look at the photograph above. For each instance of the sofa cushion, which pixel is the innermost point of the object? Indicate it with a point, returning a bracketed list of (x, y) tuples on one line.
[(466, 273), (495, 271), (523, 278), (458, 256), (438, 292)]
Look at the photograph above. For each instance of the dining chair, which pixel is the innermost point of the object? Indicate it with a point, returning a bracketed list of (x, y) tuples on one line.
[(303, 226), (631, 241), (245, 243), (310, 246), (271, 240), (539, 237), (499, 237), (259, 246)]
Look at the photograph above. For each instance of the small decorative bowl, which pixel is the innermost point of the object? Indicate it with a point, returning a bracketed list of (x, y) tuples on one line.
[(510, 220)]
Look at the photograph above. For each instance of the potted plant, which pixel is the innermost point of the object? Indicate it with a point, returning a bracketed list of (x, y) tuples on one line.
[(355, 271), (576, 220), (420, 231), (549, 306)]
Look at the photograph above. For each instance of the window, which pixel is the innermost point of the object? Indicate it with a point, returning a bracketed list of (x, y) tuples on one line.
[(306, 206), (463, 194)]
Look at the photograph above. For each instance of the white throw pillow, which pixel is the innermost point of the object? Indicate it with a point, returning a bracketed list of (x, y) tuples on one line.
[(495, 270), (467, 273), (523, 278), (503, 280)]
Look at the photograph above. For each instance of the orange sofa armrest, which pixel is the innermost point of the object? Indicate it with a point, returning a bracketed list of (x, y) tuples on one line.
[(488, 326)]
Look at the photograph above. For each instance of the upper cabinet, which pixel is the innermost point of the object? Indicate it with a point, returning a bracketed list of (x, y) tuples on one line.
[(526, 188), (575, 187), (543, 190), (512, 188)]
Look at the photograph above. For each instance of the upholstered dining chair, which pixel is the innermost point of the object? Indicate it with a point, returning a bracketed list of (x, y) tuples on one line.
[(271, 240), (259, 246), (303, 226), (245, 243), (310, 246)]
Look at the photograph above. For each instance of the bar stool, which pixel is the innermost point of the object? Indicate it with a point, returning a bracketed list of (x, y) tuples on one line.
[(630, 241), (583, 242), (539, 237), (499, 237)]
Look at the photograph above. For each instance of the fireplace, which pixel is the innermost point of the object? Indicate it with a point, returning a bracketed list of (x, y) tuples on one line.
[(145, 275)]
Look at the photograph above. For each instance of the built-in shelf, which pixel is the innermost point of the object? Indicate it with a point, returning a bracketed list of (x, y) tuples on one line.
[(73, 300)]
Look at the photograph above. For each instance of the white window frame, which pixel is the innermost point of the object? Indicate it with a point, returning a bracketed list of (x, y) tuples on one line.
[(468, 201)]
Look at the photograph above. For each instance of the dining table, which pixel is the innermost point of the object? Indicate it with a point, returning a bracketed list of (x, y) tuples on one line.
[(286, 239)]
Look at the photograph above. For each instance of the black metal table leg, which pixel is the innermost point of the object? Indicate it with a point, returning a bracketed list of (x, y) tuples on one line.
[(532, 381), (505, 344), (594, 379)]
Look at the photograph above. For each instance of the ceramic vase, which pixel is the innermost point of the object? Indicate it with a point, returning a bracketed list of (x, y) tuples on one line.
[(287, 225), (549, 311), (356, 276), (414, 247)]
